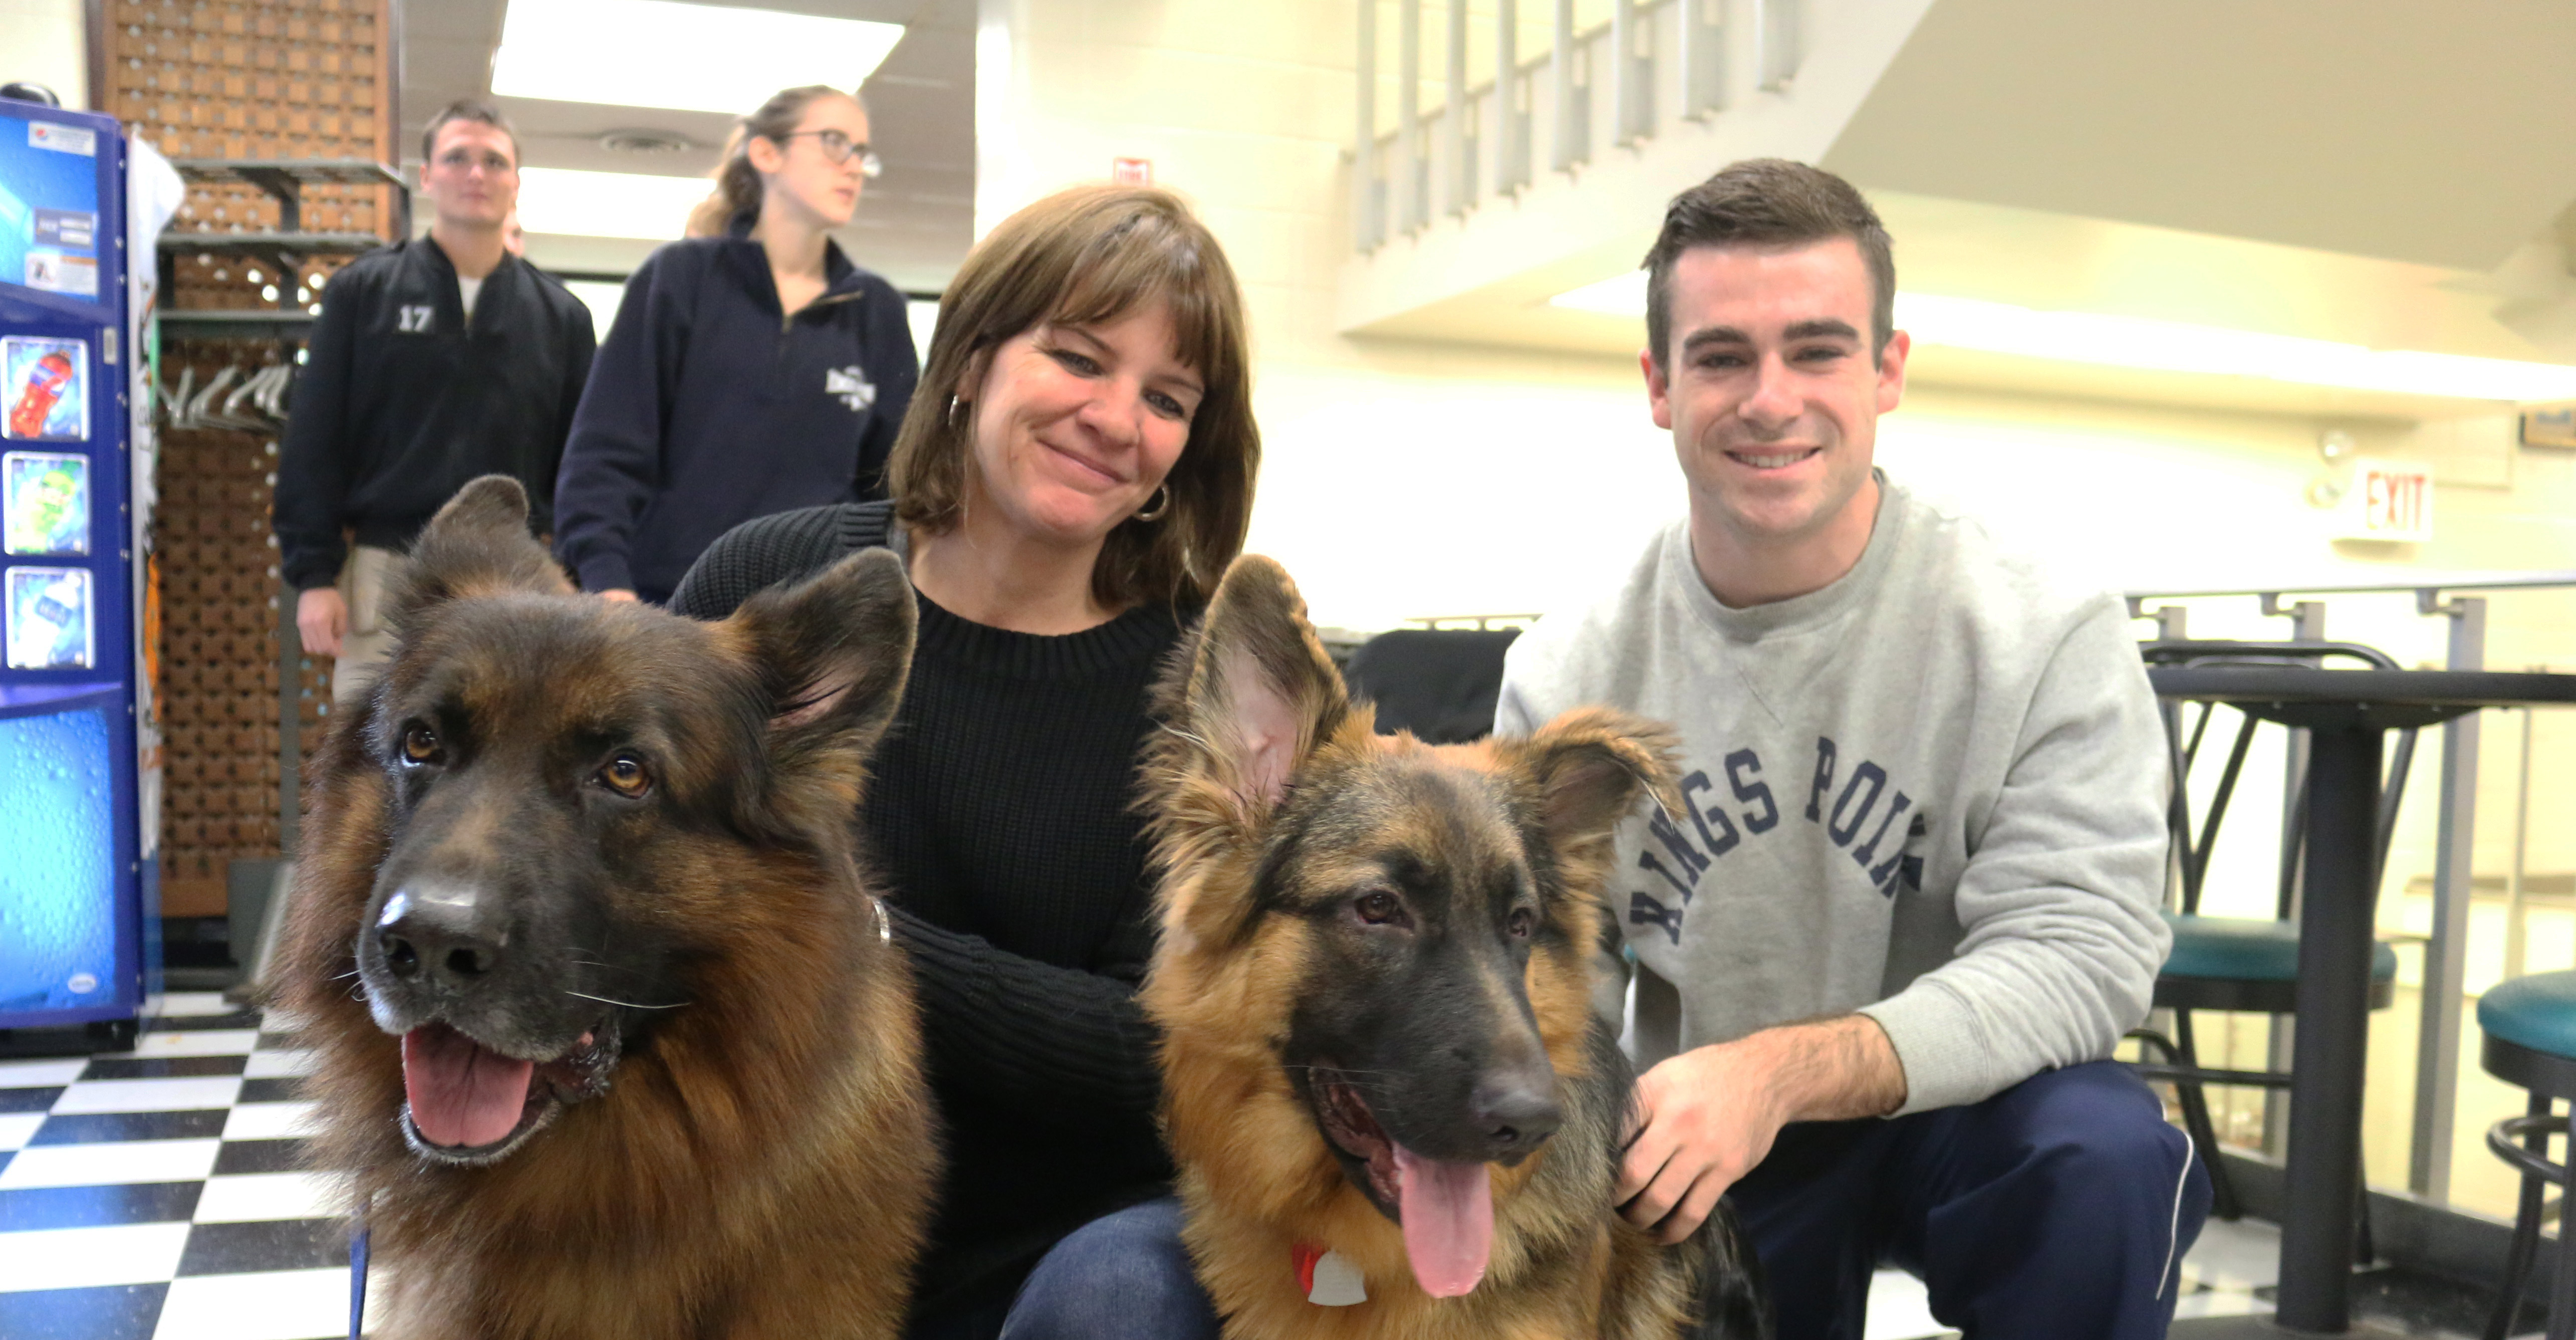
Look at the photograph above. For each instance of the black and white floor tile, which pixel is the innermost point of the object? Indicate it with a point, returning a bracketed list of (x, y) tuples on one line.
[(160, 1194)]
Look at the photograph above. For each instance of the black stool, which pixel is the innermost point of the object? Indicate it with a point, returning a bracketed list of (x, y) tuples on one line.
[(2530, 1027)]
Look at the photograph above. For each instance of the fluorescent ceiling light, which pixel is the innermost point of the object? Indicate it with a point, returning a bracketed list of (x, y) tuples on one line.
[(697, 58), (2170, 346), (607, 204)]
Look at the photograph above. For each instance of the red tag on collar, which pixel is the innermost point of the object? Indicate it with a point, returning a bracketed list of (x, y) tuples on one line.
[(1326, 1277), (1306, 1254)]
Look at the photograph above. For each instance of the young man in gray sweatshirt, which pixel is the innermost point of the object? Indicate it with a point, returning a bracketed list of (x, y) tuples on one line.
[(1913, 902)]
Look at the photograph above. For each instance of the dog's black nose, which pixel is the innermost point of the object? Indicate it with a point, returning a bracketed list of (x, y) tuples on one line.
[(438, 931), (1515, 1113)]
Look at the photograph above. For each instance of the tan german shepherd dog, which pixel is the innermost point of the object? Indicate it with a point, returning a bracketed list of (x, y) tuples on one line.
[(611, 1039), (1394, 1110)]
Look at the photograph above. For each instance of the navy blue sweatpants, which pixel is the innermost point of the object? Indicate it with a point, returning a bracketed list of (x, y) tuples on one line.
[(2059, 1207)]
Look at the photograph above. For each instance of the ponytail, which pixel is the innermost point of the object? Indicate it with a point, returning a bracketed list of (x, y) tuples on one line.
[(737, 189)]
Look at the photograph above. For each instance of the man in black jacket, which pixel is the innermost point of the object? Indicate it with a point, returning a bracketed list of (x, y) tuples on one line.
[(434, 361)]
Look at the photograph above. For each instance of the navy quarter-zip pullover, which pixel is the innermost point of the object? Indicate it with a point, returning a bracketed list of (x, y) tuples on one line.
[(707, 406)]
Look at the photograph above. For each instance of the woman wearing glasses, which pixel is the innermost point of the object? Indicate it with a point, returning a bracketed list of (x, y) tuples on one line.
[(751, 369)]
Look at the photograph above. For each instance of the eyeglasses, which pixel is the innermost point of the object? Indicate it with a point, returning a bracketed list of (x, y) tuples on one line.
[(838, 147)]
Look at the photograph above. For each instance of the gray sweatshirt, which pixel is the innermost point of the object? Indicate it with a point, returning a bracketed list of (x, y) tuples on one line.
[(1931, 792)]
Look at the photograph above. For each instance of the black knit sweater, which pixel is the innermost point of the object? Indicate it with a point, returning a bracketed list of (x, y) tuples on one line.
[(997, 812)]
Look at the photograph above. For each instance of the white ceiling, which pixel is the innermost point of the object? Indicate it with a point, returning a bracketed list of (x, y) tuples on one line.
[(914, 223), (2427, 134)]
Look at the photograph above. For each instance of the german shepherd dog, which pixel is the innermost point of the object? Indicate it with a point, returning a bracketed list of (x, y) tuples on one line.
[(1383, 1077), (611, 1038)]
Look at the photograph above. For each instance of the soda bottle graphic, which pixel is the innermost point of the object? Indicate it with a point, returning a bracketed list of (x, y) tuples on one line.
[(36, 400)]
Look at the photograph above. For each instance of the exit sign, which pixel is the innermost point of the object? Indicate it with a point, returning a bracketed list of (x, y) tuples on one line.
[(2388, 500), (1132, 171)]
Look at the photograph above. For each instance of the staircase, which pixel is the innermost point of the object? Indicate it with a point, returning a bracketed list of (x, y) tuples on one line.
[(1525, 149)]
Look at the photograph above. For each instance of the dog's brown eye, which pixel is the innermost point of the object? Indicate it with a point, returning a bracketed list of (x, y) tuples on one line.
[(420, 744), (1522, 922), (1379, 908), (626, 775)]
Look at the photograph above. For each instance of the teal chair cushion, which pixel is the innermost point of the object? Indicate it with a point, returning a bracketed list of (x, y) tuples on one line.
[(2242, 949), (2538, 1012)]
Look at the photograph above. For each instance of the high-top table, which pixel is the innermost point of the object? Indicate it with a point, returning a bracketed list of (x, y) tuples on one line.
[(2347, 713)]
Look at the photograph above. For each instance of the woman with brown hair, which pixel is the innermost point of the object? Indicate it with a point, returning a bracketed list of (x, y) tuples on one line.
[(1065, 497), (751, 369)]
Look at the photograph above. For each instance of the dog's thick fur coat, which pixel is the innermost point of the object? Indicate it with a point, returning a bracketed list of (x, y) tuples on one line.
[(1315, 878), (727, 1133)]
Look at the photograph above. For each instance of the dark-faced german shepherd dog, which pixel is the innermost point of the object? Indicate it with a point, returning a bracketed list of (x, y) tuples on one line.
[(611, 1037), (1383, 1077)]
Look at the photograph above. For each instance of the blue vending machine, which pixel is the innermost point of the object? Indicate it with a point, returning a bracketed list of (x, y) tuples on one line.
[(73, 918)]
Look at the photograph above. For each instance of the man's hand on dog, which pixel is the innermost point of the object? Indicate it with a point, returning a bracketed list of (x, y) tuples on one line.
[(322, 618), (1710, 1114)]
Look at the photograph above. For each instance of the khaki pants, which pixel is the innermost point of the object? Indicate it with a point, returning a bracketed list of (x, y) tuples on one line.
[(368, 642)]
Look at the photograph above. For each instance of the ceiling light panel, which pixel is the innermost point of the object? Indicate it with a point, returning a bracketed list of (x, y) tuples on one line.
[(607, 204), (2169, 346), (660, 53)]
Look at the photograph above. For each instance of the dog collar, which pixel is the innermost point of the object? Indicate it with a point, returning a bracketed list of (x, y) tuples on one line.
[(1326, 1277)]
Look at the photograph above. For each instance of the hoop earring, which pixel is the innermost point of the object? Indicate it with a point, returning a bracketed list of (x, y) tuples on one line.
[(954, 404), (1162, 502)]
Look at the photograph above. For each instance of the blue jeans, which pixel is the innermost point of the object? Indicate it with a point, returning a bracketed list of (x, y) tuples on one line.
[(1121, 1275), (2061, 1206)]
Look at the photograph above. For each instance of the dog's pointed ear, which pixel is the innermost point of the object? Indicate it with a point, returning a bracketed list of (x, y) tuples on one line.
[(1259, 693), (1589, 766), (832, 653), (478, 544)]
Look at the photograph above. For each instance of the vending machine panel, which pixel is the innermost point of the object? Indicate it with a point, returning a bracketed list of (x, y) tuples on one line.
[(72, 914)]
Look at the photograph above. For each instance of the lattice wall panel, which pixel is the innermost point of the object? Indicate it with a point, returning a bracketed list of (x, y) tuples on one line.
[(284, 79), (219, 698), (239, 79), (203, 280)]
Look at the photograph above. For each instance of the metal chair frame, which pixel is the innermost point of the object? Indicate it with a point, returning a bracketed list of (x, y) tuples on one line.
[(2548, 1078), (2181, 1065)]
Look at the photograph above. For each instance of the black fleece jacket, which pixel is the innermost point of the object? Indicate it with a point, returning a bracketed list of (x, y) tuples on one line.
[(400, 402), (997, 813), (708, 407)]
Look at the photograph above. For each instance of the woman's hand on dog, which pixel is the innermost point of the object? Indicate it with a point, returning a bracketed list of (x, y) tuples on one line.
[(1710, 1114)]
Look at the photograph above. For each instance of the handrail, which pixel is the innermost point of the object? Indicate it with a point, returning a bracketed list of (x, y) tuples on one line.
[(2421, 581), (1647, 53)]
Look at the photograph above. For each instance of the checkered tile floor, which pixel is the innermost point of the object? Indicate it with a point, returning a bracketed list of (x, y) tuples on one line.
[(157, 1194)]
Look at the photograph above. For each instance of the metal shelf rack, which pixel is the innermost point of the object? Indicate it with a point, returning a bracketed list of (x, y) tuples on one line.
[(284, 179)]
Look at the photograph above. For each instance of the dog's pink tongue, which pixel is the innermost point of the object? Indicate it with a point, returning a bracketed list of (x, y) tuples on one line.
[(461, 1095), (1448, 1221)]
